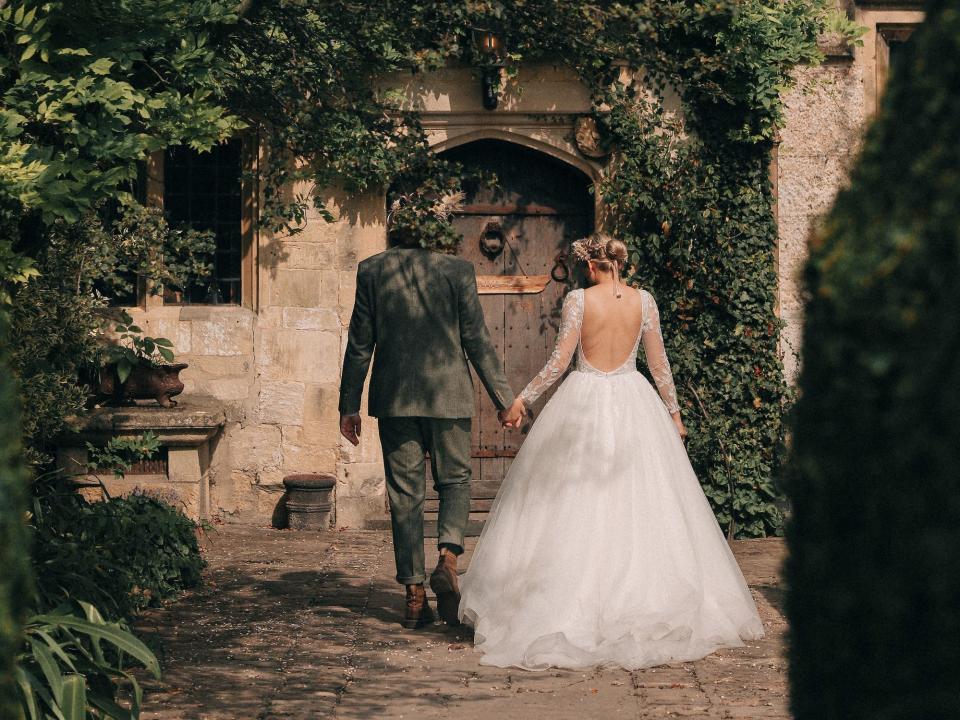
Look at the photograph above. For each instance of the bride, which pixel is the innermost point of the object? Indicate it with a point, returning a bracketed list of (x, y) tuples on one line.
[(600, 548)]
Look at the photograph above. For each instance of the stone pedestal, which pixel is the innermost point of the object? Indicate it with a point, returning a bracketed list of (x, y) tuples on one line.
[(185, 431)]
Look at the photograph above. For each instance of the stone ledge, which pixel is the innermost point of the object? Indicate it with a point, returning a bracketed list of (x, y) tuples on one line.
[(184, 430), (193, 412)]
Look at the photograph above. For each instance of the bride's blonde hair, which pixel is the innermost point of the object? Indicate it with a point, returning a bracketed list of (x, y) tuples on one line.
[(605, 252)]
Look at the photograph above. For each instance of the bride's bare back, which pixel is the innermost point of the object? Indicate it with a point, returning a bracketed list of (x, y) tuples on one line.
[(610, 326), (606, 328)]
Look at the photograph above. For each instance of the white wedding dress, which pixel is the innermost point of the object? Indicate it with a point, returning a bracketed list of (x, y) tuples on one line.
[(601, 548)]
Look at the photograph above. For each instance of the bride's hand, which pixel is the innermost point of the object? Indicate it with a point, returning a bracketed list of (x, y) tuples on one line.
[(512, 416), (680, 428)]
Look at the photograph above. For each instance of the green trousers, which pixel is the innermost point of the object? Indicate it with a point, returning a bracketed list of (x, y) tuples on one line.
[(406, 442)]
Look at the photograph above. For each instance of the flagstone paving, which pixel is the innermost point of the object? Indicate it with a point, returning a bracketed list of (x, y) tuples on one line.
[(306, 625)]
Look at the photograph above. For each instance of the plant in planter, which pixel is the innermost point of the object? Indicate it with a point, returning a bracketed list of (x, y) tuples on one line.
[(140, 367)]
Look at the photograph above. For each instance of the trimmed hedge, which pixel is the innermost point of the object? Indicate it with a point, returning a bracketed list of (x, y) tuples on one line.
[(14, 552), (873, 573)]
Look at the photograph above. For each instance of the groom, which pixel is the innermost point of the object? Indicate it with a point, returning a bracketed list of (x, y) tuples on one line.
[(421, 313)]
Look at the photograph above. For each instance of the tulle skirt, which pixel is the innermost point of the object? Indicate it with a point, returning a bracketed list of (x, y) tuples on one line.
[(601, 548)]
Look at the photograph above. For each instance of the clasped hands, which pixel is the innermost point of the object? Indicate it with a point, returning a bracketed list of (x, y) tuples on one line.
[(512, 416)]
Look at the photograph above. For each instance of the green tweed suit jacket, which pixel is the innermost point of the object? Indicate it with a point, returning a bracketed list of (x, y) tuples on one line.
[(417, 314)]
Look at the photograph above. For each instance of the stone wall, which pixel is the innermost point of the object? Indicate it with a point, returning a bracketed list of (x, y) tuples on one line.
[(824, 114)]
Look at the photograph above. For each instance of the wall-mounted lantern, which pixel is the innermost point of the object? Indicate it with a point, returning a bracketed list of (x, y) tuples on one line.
[(491, 50)]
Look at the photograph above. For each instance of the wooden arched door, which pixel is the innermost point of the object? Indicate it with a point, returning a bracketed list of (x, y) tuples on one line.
[(539, 206)]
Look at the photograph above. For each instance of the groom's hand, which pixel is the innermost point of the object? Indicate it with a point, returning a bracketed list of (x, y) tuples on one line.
[(512, 416), (350, 428)]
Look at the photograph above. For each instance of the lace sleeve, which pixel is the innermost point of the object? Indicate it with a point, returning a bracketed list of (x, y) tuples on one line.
[(656, 354), (571, 316)]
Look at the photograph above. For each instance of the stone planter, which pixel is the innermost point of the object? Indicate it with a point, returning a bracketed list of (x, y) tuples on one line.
[(309, 500), (146, 381)]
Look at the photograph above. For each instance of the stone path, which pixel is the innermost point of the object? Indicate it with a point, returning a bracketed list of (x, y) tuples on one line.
[(304, 625)]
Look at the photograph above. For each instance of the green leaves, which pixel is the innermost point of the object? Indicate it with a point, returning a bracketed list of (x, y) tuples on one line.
[(72, 661), (73, 700), (98, 89), (133, 347), (118, 454)]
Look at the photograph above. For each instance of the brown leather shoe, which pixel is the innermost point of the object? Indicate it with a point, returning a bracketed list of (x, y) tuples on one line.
[(418, 609), (446, 585)]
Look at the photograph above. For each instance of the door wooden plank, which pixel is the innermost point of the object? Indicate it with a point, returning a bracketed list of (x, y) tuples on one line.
[(511, 284)]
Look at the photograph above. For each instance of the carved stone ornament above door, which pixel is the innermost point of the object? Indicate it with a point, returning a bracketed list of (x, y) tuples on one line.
[(588, 138)]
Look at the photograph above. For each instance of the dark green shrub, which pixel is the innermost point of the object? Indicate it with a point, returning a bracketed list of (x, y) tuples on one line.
[(874, 582), (14, 551), (58, 319), (122, 555)]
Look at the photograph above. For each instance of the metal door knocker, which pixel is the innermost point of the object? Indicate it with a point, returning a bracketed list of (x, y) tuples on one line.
[(560, 272), (492, 241)]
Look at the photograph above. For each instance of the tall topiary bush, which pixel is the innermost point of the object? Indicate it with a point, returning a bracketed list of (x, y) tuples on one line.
[(14, 554), (874, 584)]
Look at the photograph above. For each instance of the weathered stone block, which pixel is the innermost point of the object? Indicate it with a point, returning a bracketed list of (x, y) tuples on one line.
[(300, 288), (183, 339), (196, 312), (364, 479), (355, 512), (229, 389), (346, 252), (281, 402), (308, 356), (211, 366), (233, 496), (270, 477), (325, 319), (793, 251), (320, 403), (254, 447), (809, 184), (330, 288), (224, 334), (824, 112), (308, 448), (310, 255), (791, 338), (348, 292), (269, 509)]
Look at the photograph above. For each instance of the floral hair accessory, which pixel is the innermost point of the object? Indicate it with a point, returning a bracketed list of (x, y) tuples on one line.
[(588, 248)]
